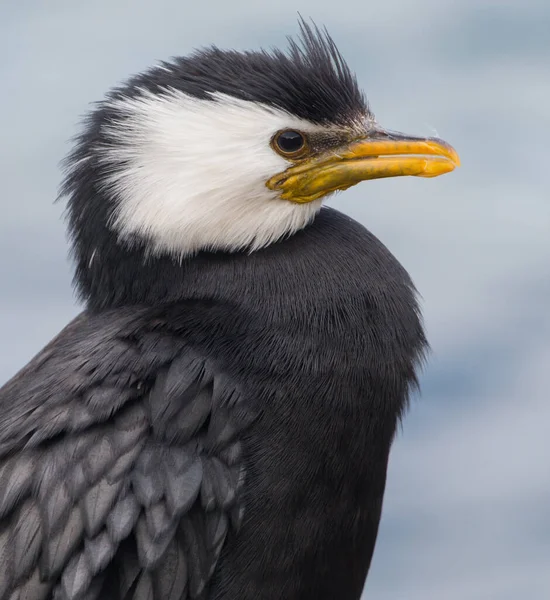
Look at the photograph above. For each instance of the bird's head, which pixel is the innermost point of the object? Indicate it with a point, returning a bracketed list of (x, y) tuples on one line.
[(230, 151)]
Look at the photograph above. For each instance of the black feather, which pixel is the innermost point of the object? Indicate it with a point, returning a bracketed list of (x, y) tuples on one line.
[(311, 80), (72, 500)]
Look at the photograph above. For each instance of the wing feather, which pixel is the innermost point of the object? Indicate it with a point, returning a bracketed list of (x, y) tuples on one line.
[(120, 467)]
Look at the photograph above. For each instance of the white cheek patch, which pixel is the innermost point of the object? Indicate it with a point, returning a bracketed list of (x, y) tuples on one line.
[(190, 174)]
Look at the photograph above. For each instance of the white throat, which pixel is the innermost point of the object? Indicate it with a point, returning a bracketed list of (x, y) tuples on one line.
[(190, 174)]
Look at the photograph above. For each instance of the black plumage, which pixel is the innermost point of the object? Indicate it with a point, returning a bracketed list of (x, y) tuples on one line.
[(311, 80), (217, 427)]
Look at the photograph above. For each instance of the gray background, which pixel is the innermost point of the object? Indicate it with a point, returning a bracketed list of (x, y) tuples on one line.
[(467, 506)]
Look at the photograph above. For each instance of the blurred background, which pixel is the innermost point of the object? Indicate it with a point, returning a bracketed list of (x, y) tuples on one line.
[(467, 510)]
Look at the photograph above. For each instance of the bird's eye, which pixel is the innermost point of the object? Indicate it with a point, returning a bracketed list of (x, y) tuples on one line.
[(290, 143)]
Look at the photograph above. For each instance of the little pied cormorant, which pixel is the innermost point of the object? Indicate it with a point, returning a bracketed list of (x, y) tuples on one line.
[(216, 423)]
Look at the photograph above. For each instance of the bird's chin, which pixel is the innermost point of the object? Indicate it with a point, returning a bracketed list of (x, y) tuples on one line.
[(373, 157)]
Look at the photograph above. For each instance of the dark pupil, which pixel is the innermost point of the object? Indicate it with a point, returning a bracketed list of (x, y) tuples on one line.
[(290, 141)]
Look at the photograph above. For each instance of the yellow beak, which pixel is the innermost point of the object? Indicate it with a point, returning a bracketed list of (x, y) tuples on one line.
[(380, 155)]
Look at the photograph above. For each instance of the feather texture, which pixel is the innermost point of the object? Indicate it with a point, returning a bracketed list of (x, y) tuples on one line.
[(96, 468)]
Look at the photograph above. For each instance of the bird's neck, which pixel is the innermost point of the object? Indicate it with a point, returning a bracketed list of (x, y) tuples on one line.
[(116, 276), (333, 265), (112, 274)]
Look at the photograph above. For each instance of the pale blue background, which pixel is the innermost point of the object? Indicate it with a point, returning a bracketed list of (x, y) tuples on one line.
[(468, 499)]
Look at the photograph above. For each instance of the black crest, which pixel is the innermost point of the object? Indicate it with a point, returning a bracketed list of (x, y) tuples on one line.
[(310, 80)]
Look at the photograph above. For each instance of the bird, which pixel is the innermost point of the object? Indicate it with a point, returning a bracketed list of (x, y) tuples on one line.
[(216, 423)]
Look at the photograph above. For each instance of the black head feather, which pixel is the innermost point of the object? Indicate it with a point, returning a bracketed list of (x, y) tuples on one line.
[(310, 80)]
